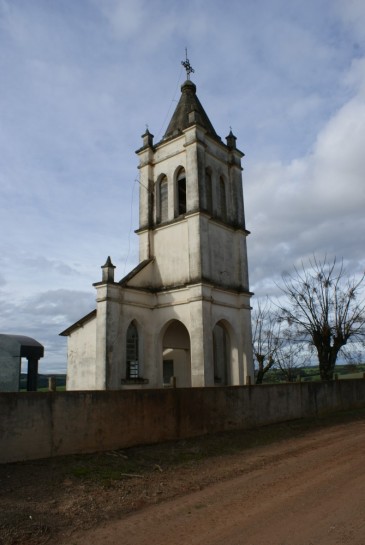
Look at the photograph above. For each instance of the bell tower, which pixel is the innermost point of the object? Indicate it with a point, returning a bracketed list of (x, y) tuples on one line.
[(191, 202)]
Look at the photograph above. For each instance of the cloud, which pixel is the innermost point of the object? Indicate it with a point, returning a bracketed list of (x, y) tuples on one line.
[(43, 316), (315, 203), (127, 19), (46, 312), (352, 13), (41, 263), (60, 305)]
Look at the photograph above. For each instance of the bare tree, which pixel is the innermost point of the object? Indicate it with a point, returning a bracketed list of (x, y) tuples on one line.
[(291, 355), (265, 338), (326, 307)]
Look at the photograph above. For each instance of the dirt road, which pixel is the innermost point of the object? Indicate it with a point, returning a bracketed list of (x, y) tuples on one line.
[(308, 490)]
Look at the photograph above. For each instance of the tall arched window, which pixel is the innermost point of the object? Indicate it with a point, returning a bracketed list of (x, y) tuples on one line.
[(221, 356), (132, 352), (209, 191), (163, 200), (181, 192), (223, 198)]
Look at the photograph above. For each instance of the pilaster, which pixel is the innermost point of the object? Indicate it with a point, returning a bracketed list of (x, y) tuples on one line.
[(108, 301)]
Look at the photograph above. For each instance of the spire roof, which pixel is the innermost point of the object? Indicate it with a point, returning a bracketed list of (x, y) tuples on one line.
[(187, 104), (108, 263)]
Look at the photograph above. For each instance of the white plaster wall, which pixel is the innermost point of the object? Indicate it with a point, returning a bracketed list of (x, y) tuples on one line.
[(227, 263), (171, 248), (81, 362), (169, 150), (144, 245)]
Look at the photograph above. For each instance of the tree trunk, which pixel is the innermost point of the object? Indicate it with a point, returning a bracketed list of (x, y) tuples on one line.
[(260, 376), (263, 369), (327, 357)]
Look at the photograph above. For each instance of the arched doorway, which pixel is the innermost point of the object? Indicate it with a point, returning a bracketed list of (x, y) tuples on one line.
[(221, 355), (176, 362)]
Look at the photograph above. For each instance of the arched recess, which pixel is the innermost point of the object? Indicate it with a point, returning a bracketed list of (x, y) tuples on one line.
[(209, 190), (225, 354), (176, 360), (180, 200), (223, 199), (133, 367), (162, 199)]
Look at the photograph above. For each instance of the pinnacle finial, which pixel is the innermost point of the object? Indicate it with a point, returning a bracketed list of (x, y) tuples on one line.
[(231, 139), (108, 271), (108, 263), (186, 64)]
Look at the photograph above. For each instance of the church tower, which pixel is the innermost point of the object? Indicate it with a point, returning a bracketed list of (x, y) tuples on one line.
[(182, 316), (191, 202)]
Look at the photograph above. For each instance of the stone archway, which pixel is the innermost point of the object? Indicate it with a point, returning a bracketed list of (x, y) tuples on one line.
[(176, 360)]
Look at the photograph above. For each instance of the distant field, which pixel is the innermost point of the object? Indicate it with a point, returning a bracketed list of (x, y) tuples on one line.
[(312, 373), (273, 376), (43, 382)]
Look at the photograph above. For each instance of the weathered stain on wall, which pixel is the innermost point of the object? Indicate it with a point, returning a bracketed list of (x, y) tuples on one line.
[(41, 425)]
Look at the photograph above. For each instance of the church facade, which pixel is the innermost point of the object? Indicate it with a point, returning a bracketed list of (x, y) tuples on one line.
[(182, 316)]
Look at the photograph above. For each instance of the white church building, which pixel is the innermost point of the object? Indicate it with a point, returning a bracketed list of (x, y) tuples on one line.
[(182, 316)]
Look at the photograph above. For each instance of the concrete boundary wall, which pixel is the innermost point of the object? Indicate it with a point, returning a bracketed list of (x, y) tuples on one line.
[(41, 425)]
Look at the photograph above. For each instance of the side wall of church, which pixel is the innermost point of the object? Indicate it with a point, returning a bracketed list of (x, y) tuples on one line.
[(81, 368)]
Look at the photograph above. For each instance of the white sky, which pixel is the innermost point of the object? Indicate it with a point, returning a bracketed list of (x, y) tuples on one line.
[(81, 79)]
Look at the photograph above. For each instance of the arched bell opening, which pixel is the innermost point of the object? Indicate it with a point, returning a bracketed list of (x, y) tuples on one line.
[(162, 211), (180, 193)]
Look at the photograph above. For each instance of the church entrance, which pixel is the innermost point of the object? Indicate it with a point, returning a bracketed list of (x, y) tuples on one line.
[(221, 356), (176, 355)]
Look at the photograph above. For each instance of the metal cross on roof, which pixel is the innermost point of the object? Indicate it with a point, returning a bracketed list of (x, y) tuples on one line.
[(186, 64)]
